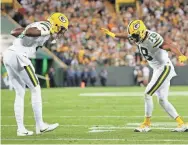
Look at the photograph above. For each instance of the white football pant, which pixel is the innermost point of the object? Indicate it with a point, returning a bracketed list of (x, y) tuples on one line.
[(159, 85), (21, 73)]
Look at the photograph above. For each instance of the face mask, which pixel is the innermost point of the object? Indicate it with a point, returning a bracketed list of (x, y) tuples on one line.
[(134, 38)]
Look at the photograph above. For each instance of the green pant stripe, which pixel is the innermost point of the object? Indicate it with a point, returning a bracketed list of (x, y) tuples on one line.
[(31, 75), (34, 75), (160, 80), (157, 81), (33, 82)]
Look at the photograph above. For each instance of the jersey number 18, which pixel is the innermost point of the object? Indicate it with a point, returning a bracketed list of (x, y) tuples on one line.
[(144, 52)]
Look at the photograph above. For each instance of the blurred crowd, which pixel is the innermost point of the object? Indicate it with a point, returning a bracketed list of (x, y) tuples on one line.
[(76, 77), (167, 17), (85, 44)]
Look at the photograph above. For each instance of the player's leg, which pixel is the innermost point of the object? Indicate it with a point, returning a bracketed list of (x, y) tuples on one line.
[(148, 101), (19, 100), (19, 87), (30, 78), (159, 76), (162, 94), (148, 104)]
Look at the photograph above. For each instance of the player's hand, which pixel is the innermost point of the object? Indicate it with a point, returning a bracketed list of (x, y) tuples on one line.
[(182, 58), (106, 31)]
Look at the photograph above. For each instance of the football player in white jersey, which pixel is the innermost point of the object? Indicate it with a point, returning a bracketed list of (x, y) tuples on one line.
[(22, 72), (153, 47)]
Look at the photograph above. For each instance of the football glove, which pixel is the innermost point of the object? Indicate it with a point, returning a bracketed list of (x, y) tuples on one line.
[(106, 31), (182, 58)]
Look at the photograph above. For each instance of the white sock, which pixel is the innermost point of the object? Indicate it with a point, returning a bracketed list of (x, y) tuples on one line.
[(148, 105), (19, 109), (168, 107), (37, 105)]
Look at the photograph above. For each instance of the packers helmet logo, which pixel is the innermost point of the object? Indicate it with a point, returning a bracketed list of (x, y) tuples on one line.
[(136, 26), (62, 19)]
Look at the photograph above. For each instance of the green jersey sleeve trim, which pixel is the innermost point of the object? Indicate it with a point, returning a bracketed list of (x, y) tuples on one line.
[(46, 25), (158, 42)]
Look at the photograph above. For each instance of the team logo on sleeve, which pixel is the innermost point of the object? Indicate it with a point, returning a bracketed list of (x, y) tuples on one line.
[(136, 26), (62, 19)]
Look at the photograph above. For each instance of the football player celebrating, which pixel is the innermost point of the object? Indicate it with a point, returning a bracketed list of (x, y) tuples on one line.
[(22, 72), (153, 47)]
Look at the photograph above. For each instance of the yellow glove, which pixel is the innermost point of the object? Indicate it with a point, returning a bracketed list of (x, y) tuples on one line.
[(182, 58), (106, 31)]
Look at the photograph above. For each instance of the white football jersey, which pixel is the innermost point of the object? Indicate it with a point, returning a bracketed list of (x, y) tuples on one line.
[(27, 46), (150, 49)]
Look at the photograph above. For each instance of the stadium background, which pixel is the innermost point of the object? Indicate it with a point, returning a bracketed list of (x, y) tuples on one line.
[(85, 54), (100, 115)]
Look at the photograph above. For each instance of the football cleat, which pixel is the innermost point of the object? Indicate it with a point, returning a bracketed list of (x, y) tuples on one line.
[(143, 128), (46, 128), (181, 128), (24, 132)]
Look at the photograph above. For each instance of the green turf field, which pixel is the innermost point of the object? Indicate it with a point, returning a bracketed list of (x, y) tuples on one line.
[(95, 115)]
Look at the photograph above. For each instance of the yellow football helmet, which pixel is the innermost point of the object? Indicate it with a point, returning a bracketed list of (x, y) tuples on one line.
[(136, 30), (59, 22)]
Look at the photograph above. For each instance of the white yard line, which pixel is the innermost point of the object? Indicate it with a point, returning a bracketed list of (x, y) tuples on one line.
[(156, 124), (127, 109), (104, 144), (96, 131), (100, 129), (69, 125), (93, 116), (126, 127), (93, 139), (160, 128), (130, 94)]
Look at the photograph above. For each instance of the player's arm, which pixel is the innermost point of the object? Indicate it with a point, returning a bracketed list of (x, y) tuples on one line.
[(30, 32), (114, 35), (169, 46), (36, 32), (16, 32), (121, 35)]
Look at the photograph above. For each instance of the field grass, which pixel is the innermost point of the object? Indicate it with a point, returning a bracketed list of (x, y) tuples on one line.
[(87, 116)]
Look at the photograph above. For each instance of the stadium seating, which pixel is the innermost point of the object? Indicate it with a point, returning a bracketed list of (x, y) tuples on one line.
[(84, 41)]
